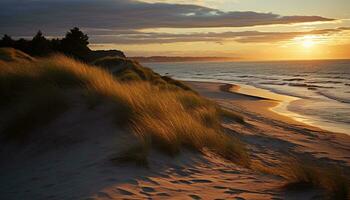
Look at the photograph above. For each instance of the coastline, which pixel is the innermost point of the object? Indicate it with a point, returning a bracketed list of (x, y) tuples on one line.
[(275, 105), (248, 101), (278, 129)]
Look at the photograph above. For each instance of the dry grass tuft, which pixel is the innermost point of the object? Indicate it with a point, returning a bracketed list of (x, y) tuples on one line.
[(304, 174)]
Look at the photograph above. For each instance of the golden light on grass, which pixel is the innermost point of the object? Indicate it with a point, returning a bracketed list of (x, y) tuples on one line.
[(162, 112)]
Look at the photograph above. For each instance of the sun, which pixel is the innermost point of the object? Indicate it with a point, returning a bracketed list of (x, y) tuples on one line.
[(308, 41)]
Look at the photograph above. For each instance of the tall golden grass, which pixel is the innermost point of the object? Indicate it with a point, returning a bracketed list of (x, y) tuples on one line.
[(161, 117), (301, 174)]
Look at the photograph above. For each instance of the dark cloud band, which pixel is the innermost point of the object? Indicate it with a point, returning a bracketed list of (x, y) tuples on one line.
[(23, 17), (135, 37)]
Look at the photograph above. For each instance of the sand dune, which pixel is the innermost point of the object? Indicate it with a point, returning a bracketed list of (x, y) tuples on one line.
[(77, 166)]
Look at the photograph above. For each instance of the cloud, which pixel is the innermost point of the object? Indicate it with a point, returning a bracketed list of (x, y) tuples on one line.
[(23, 17), (137, 37)]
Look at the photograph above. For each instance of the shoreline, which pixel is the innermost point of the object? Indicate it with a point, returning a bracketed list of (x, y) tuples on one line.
[(277, 129), (273, 104), (250, 103)]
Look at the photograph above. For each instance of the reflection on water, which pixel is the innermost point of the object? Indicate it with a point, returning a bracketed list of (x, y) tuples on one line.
[(318, 92)]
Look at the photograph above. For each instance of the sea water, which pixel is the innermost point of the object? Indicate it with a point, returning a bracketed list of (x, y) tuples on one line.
[(320, 89)]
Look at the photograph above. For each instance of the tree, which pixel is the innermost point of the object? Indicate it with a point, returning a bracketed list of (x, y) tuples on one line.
[(55, 45), (75, 43), (40, 45), (23, 45), (7, 41)]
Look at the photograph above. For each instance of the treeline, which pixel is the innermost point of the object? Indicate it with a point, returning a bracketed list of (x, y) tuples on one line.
[(75, 43)]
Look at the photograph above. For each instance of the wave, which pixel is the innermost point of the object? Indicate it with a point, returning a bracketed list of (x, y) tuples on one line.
[(246, 76), (294, 79), (342, 73), (331, 82), (336, 77), (258, 77), (309, 85), (272, 83), (299, 75), (331, 96)]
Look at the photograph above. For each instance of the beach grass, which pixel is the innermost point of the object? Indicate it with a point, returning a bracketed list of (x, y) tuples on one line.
[(301, 174), (161, 114)]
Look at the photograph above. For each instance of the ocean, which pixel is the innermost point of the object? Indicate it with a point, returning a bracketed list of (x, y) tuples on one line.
[(320, 90)]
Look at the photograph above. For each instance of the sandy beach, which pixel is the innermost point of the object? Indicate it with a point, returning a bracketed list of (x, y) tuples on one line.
[(174, 99), (269, 137), (264, 122)]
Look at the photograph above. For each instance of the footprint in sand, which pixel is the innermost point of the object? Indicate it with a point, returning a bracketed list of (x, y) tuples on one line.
[(220, 187), (181, 182), (150, 180), (124, 192), (163, 194), (195, 197), (194, 170), (201, 181), (147, 189), (230, 171), (233, 191)]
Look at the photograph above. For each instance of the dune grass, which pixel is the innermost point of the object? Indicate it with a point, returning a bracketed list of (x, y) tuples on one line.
[(301, 174), (162, 116), (130, 70), (13, 55)]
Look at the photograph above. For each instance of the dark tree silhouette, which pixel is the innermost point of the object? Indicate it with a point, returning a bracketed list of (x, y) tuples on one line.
[(7, 41), (75, 43), (40, 46), (23, 45), (55, 45)]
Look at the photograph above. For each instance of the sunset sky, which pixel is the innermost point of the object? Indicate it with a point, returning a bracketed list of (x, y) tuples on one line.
[(243, 29)]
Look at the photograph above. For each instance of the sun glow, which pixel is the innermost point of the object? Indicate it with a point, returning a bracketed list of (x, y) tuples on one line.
[(308, 41)]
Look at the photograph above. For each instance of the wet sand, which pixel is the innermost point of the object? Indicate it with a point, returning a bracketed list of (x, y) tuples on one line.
[(257, 112)]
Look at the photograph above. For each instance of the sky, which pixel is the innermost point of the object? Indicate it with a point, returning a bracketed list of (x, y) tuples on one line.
[(241, 29)]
